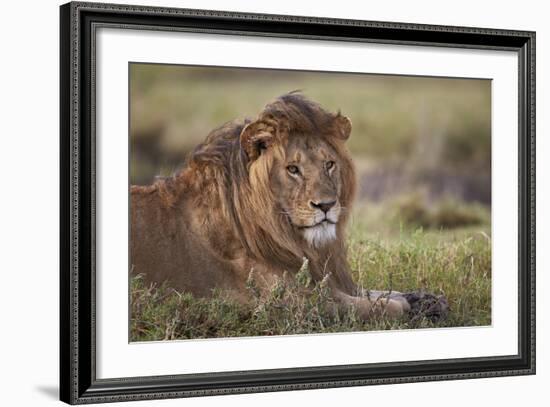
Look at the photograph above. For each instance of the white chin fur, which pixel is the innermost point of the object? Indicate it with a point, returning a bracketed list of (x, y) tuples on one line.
[(321, 234)]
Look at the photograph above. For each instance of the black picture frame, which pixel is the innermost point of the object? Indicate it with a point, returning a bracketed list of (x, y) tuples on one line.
[(78, 382)]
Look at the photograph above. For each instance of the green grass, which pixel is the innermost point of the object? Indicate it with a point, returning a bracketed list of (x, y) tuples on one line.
[(455, 263)]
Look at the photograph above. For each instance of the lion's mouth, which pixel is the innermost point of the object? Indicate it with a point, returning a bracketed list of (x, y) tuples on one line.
[(324, 222)]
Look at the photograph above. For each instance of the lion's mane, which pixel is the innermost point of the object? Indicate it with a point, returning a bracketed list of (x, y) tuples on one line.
[(231, 200)]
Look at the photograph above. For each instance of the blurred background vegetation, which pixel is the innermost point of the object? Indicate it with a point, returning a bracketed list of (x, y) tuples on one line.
[(421, 146), (421, 136)]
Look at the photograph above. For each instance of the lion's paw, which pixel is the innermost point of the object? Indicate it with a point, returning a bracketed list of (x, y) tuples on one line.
[(425, 305)]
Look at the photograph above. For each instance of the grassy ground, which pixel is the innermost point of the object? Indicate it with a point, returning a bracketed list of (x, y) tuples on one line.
[(398, 256)]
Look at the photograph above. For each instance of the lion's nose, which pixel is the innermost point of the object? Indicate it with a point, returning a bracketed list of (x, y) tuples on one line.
[(324, 206)]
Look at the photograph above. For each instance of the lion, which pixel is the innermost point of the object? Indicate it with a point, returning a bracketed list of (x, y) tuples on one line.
[(259, 195)]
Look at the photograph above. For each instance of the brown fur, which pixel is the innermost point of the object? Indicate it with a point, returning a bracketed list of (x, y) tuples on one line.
[(234, 207)]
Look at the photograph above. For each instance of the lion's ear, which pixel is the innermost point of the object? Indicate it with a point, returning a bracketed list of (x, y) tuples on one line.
[(255, 139), (343, 126)]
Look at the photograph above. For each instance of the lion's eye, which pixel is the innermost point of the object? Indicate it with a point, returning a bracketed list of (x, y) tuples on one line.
[(292, 169), (329, 165)]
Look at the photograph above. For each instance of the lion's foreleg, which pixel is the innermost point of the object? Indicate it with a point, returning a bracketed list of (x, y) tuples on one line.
[(375, 295), (417, 304), (368, 307)]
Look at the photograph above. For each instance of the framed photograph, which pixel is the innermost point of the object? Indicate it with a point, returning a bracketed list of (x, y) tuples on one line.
[(254, 203)]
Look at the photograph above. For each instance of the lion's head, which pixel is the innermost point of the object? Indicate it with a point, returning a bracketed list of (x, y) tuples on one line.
[(298, 148), (286, 179)]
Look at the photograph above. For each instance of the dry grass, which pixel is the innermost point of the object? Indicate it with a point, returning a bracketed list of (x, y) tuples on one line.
[(456, 264), (445, 213)]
